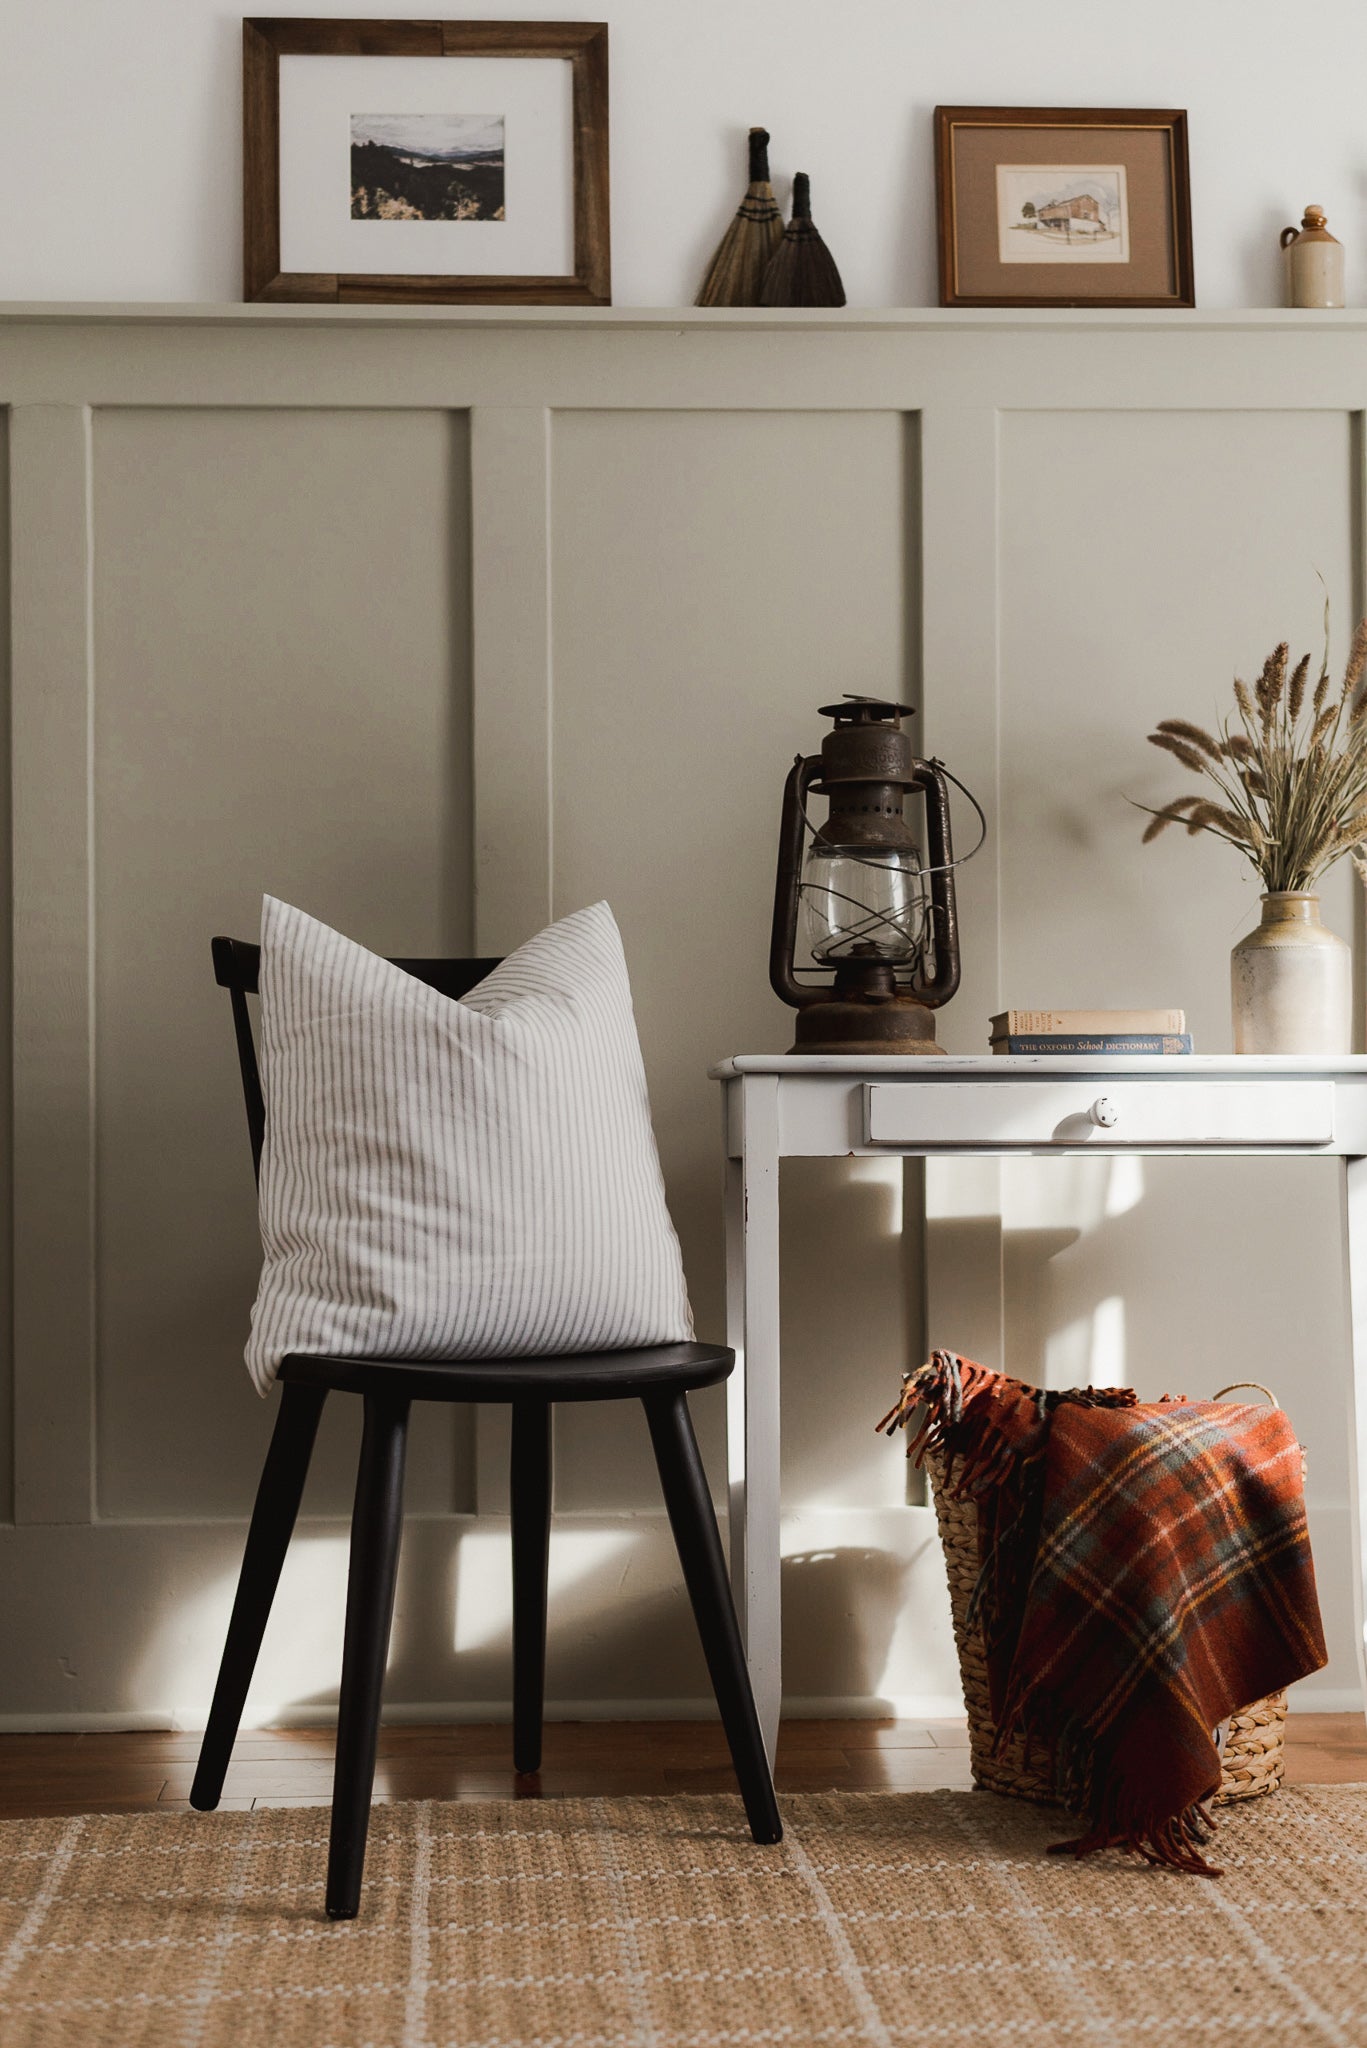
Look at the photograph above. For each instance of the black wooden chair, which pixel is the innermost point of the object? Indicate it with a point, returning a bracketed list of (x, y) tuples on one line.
[(660, 1377)]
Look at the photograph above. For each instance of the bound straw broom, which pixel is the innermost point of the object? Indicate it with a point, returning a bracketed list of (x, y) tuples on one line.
[(737, 270), (802, 269)]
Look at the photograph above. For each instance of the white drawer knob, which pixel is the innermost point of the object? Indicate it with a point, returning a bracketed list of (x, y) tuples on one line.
[(1104, 1112)]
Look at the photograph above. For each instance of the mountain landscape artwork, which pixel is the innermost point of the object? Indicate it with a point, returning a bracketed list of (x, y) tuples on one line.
[(427, 167)]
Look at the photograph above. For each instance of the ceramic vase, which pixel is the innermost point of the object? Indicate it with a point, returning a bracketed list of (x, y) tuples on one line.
[(1314, 262), (1291, 981)]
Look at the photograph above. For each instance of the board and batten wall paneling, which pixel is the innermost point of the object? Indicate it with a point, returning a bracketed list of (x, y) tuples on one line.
[(1151, 558), (716, 577), (6, 1091), (52, 1157), (282, 705), (388, 610)]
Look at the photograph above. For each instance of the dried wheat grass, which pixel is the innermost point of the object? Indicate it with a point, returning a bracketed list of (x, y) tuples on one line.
[(1290, 788)]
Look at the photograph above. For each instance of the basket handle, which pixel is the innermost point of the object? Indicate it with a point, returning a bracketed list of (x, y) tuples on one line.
[(1243, 1386)]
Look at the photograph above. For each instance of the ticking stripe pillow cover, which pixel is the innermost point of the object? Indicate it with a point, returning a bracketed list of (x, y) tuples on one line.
[(473, 1179)]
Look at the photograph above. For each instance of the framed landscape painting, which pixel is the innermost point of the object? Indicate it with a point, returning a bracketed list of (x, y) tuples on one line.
[(463, 162), (1052, 206)]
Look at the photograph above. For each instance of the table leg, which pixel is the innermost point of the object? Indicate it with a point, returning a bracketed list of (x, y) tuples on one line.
[(752, 1412), (1355, 1264)]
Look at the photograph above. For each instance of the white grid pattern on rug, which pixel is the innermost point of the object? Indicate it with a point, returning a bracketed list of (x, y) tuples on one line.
[(883, 1918)]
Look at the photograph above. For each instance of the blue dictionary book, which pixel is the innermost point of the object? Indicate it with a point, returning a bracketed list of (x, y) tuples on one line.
[(1165, 1042)]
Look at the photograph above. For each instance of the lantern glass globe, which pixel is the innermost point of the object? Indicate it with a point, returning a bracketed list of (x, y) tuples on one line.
[(864, 904)]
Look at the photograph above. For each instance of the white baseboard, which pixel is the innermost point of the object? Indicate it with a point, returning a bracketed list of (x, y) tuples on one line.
[(459, 1713), (910, 1706), (456, 1713), (1306, 1698), (113, 1722)]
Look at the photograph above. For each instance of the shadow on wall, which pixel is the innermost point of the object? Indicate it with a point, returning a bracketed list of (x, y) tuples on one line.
[(840, 1608), (451, 1642)]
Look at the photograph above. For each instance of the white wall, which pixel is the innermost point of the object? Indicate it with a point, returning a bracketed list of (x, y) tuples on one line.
[(121, 169)]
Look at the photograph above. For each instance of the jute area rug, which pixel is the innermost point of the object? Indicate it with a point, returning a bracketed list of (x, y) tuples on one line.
[(882, 1918)]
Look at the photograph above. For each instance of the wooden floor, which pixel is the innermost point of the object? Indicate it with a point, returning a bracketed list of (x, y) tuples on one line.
[(56, 1774)]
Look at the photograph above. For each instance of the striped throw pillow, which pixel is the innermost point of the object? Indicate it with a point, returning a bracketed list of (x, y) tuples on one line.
[(473, 1179)]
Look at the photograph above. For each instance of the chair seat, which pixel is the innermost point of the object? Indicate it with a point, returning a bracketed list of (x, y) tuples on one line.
[(574, 1376)]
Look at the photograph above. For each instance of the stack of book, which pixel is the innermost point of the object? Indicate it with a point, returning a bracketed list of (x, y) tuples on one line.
[(1091, 1031)]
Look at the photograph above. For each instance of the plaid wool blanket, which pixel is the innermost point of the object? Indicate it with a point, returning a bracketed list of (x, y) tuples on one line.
[(1146, 1572)]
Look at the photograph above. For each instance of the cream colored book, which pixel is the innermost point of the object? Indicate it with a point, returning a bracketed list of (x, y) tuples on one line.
[(1077, 1023)]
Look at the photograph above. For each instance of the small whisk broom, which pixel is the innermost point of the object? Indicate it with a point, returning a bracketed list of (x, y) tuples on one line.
[(802, 269), (737, 270)]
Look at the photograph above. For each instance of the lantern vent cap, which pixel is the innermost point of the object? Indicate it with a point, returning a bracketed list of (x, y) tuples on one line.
[(856, 710)]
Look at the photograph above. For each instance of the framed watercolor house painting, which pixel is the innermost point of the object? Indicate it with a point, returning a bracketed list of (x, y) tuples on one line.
[(1051, 206)]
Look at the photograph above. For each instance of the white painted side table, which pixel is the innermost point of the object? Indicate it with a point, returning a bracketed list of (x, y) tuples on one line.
[(781, 1106)]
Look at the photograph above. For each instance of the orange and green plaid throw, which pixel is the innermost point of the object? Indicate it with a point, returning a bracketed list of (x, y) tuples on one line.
[(1146, 1572)]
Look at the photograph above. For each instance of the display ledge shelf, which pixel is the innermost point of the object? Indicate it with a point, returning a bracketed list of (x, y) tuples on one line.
[(692, 319)]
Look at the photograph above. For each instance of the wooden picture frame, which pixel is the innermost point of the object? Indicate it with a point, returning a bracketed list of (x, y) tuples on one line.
[(583, 44), (1123, 238)]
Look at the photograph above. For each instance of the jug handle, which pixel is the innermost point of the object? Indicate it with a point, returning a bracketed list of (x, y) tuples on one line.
[(1289, 235)]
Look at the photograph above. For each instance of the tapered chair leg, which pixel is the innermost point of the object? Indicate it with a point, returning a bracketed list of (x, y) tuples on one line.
[(695, 1533), (273, 1517), (531, 1516), (376, 1526)]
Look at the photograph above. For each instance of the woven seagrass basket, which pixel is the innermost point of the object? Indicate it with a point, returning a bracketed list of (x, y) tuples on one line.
[(1251, 1743)]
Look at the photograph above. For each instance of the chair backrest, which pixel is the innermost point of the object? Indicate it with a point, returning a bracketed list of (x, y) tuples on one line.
[(237, 967)]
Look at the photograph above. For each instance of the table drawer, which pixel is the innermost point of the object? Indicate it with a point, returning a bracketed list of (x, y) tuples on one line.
[(1094, 1111)]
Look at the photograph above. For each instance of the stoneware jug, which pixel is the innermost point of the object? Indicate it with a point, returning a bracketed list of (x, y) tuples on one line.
[(1314, 262), (1291, 981)]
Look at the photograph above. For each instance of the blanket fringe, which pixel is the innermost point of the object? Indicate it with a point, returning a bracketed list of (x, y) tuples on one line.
[(1173, 1842), (953, 1396), (1085, 1779), (943, 1391)]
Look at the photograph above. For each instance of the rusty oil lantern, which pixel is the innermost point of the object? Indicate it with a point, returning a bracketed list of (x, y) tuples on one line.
[(873, 910)]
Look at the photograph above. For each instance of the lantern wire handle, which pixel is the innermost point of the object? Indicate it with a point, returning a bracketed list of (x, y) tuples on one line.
[(946, 866)]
